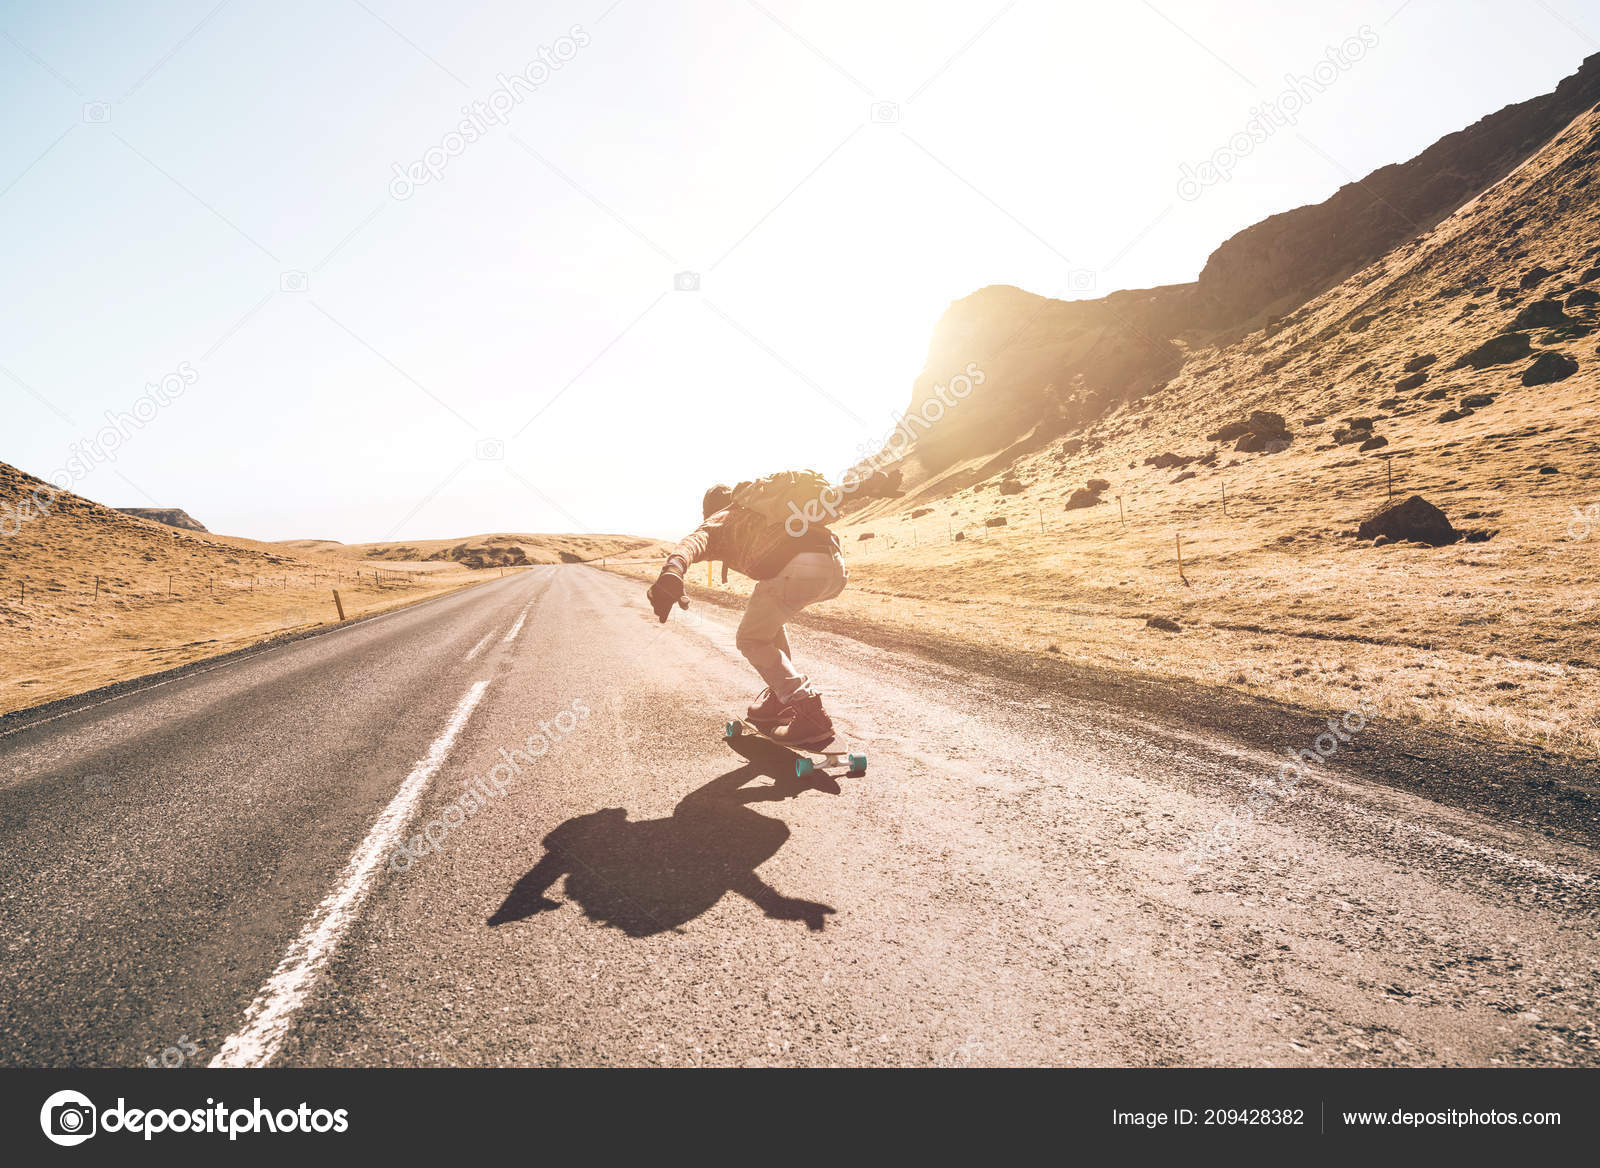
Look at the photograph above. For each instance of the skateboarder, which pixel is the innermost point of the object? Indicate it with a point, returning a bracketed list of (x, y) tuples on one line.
[(753, 529)]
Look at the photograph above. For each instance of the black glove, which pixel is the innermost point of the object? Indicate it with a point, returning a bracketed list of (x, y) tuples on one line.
[(665, 592)]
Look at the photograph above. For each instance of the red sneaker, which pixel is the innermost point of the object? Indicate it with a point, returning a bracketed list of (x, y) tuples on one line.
[(810, 728)]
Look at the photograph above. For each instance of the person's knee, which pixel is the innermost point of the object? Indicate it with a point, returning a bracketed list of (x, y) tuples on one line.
[(747, 636)]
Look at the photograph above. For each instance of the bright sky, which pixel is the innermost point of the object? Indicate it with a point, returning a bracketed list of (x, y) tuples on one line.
[(211, 187)]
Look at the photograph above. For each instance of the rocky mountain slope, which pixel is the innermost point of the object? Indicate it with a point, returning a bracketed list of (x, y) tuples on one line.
[(1052, 368), (1205, 501)]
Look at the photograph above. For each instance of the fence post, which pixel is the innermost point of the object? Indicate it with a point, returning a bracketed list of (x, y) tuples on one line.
[(1224, 498), (97, 587), (1177, 538), (338, 604), (1120, 515)]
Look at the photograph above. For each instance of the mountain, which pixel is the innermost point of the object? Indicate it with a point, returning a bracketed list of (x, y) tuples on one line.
[(1189, 481), (1053, 367)]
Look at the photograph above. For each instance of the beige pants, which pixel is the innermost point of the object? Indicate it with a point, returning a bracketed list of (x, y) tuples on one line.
[(806, 579)]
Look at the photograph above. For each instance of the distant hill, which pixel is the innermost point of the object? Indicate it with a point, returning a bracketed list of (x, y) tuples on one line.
[(171, 516), (503, 549)]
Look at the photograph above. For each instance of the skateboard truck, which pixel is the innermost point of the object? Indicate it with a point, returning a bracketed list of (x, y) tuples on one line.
[(806, 762)]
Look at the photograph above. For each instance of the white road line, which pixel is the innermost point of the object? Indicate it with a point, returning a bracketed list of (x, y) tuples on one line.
[(268, 1017), (476, 649), (516, 628)]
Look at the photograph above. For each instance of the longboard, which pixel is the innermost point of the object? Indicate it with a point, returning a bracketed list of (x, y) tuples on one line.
[(805, 758)]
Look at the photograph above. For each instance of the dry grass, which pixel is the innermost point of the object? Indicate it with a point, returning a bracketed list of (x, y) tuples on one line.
[(1499, 638), (168, 597)]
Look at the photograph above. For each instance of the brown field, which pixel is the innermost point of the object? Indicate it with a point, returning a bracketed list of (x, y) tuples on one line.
[(89, 596)]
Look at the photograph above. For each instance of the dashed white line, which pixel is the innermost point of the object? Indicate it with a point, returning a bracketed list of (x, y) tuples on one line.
[(478, 648), (268, 1017), (516, 628)]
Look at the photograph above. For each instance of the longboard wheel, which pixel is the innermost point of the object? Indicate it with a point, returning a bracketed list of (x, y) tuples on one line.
[(732, 729), (858, 762), (803, 767)]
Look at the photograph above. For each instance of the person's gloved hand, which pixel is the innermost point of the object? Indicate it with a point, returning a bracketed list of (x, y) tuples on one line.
[(664, 593)]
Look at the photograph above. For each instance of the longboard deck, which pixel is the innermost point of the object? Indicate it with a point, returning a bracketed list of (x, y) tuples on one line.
[(805, 758)]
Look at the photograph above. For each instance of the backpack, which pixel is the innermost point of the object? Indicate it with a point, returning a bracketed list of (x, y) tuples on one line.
[(776, 497)]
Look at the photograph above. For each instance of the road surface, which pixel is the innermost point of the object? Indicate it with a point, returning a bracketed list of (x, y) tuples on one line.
[(205, 870)]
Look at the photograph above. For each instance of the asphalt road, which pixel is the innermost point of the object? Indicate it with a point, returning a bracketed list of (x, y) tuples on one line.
[(210, 863)]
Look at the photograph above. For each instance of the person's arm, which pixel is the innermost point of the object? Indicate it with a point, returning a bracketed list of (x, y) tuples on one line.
[(691, 549), (668, 588)]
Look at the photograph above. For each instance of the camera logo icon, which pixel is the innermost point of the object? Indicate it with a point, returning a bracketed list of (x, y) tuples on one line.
[(686, 282), (489, 450), (1081, 280), (883, 113), (293, 282), (68, 1118), (97, 112)]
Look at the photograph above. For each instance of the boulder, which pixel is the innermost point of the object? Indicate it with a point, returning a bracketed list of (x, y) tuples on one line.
[(1262, 431), (1083, 497), (1415, 519), (1534, 276), (1499, 350), (997, 521), (1098, 485), (1540, 314), (1420, 361), (1229, 432), (1167, 460), (1165, 624), (1405, 384), (1374, 443), (1254, 443), (1582, 296), (1476, 401), (1011, 487), (1550, 366)]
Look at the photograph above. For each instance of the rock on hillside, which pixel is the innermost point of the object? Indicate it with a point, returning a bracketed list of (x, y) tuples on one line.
[(1416, 520), (171, 516)]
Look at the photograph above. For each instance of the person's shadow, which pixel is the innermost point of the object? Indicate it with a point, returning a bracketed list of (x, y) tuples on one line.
[(653, 875)]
